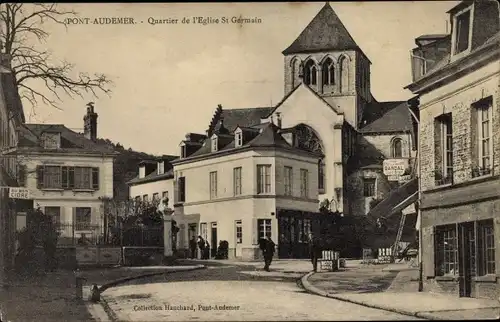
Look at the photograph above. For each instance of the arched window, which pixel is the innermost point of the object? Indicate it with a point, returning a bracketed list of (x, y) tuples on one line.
[(397, 148), (344, 74), (310, 73), (328, 72), (308, 140)]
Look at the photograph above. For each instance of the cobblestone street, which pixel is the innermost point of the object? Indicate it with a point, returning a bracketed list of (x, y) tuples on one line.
[(246, 292)]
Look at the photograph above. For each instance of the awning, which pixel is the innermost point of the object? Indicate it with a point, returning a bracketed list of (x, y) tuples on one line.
[(397, 200)]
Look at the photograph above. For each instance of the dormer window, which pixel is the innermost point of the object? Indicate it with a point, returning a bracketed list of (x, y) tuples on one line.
[(238, 139), (142, 172), (462, 31), (214, 143), (183, 150), (161, 167), (51, 140)]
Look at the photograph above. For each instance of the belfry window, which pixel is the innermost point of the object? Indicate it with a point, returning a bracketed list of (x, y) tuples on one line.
[(310, 73), (328, 72)]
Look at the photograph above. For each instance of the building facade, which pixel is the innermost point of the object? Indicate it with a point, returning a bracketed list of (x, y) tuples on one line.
[(327, 109), (458, 97), (67, 174), (154, 181), (235, 185), (11, 116)]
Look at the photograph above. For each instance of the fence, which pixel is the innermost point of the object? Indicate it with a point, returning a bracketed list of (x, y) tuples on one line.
[(91, 234)]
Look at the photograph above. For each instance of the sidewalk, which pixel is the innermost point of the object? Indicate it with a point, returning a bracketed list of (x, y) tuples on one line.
[(400, 296), (42, 297), (52, 296)]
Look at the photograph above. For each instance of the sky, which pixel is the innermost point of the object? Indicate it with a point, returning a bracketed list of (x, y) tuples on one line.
[(169, 78)]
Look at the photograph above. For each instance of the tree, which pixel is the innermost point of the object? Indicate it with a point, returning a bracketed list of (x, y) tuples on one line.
[(21, 27)]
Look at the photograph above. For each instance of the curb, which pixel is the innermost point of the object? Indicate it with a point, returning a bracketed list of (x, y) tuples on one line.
[(111, 314), (135, 277), (314, 290)]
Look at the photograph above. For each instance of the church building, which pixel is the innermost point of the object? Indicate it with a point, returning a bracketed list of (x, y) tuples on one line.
[(326, 139)]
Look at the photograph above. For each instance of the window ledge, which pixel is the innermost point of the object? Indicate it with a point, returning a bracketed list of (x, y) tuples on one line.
[(484, 176), (446, 278), (52, 189), (83, 190), (486, 278), (179, 204)]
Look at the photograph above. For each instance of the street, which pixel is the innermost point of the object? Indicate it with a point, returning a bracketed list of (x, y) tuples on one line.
[(226, 292)]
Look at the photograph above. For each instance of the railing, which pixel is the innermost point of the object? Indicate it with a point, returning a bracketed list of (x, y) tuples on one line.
[(441, 179), (93, 234), (479, 172)]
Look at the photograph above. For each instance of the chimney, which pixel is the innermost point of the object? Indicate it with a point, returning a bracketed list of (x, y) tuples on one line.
[(90, 123), (278, 117)]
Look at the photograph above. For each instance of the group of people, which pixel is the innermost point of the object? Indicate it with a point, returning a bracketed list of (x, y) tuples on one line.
[(267, 246), (202, 245)]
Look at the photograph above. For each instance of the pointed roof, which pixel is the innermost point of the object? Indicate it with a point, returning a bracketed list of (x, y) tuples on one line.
[(324, 32)]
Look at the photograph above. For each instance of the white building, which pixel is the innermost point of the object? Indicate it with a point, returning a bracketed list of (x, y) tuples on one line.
[(154, 181), (234, 185), (67, 174)]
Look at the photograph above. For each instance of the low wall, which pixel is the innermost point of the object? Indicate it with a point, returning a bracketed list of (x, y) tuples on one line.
[(72, 257)]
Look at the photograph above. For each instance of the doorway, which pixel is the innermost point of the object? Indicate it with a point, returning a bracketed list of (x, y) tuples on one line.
[(238, 229), (466, 257), (213, 239)]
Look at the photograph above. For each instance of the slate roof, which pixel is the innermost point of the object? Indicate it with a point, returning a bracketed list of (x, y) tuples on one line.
[(405, 194), (153, 176), (446, 61), (267, 136), (324, 32), (245, 117), (30, 138), (386, 117)]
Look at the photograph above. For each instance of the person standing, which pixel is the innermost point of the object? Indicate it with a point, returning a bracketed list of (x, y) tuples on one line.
[(201, 246), (207, 250), (314, 251), (192, 247), (268, 252)]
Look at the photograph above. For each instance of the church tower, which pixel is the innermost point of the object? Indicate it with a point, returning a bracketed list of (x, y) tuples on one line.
[(327, 59)]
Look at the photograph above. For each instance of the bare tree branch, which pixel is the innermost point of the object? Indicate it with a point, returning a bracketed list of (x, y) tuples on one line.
[(21, 27)]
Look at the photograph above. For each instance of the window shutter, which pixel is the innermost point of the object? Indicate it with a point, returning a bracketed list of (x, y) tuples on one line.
[(64, 180), (21, 175), (255, 231), (95, 178), (71, 177), (176, 191), (428, 250), (39, 176)]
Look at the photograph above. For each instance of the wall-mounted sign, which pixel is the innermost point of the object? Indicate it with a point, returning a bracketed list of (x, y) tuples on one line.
[(404, 179), (19, 193), (395, 167)]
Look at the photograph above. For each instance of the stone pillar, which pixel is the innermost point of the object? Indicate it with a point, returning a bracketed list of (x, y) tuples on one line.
[(167, 229), (320, 79)]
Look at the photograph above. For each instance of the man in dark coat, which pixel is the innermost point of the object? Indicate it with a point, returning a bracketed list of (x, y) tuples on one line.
[(314, 251), (268, 252)]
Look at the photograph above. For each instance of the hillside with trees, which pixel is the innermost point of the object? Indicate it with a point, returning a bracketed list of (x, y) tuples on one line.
[(124, 167)]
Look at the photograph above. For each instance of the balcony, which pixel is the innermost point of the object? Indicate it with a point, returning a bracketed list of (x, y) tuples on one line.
[(443, 179), (481, 171)]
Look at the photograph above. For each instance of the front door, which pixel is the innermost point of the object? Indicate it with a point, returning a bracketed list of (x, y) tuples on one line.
[(293, 231), (192, 233), (213, 243), (466, 258), (238, 230)]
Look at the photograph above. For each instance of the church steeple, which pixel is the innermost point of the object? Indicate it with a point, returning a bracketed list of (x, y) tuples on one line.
[(325, 32)]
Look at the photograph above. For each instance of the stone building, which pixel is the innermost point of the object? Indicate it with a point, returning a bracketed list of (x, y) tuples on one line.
[(327, 109), (11, 116), (458, 101)]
